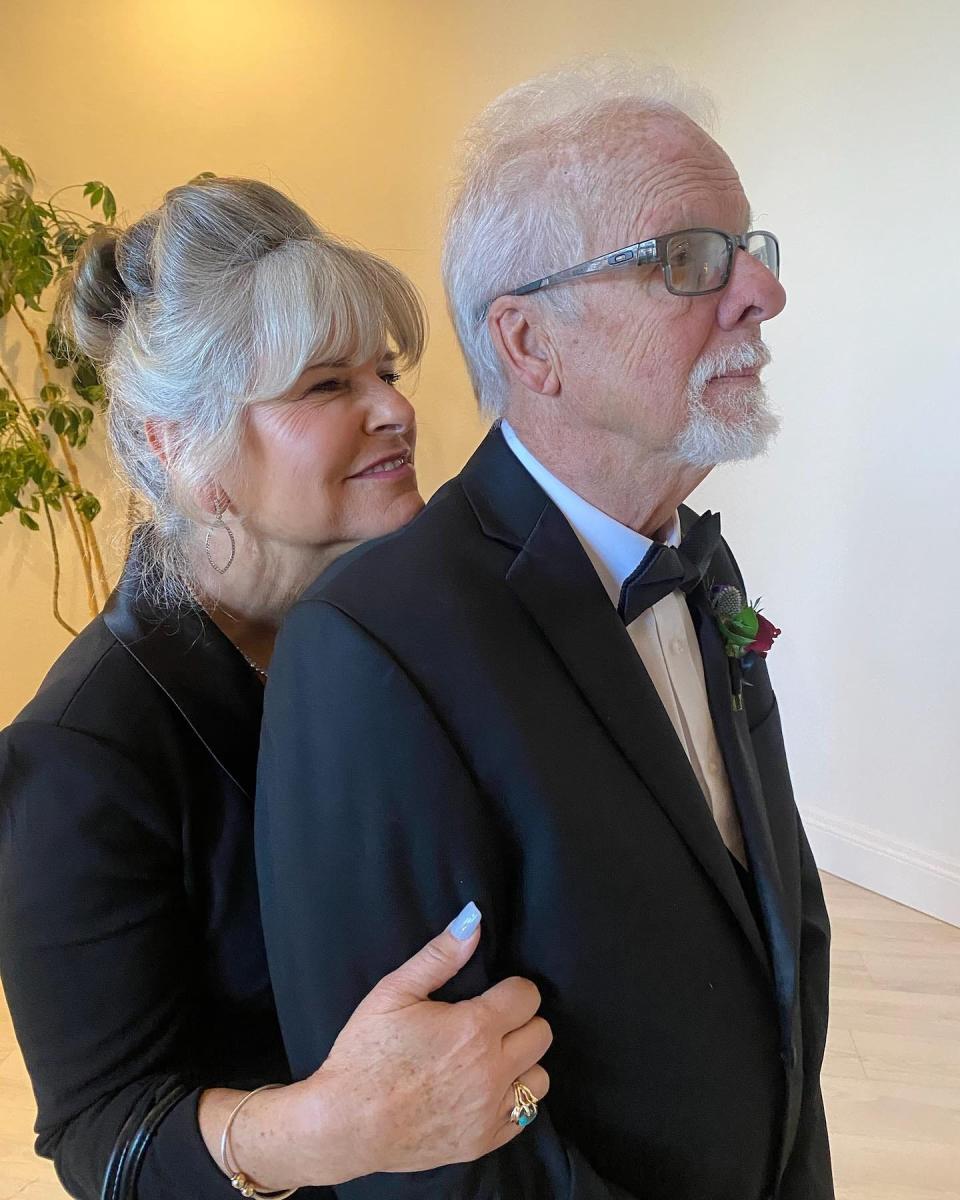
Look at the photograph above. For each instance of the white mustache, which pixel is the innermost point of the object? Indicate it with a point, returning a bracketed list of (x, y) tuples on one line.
[(721, 362)]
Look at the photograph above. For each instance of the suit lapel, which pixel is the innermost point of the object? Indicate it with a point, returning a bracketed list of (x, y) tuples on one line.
[(733, 735), (556, 583)]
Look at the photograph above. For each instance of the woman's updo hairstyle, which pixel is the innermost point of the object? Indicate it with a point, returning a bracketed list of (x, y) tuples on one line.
[(218, 299)]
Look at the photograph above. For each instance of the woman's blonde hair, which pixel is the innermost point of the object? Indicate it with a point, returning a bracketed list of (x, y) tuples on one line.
[(216, 300)]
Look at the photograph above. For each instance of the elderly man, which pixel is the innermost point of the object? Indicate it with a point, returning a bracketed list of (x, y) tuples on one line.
[(543, 694)]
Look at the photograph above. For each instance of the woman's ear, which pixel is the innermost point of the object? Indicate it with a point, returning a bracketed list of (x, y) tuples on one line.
[(214, 499), (524, 345), (161, 437)]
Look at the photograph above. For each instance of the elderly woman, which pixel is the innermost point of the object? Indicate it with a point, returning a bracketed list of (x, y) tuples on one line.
[(252, 363)]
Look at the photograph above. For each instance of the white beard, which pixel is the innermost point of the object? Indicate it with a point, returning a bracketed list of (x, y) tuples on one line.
[(748, 423)]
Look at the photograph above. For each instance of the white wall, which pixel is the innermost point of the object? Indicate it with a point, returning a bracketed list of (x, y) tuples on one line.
[(843, 119)]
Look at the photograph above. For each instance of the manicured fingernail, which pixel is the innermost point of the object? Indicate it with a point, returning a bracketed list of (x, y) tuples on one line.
[(465, 922)]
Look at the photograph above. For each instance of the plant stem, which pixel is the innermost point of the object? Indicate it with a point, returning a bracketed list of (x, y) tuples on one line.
[(91, 545), (56, 572), (46, 512), (71, 518)]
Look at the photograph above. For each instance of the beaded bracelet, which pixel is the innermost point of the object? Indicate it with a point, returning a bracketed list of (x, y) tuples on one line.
[(243, 1185)]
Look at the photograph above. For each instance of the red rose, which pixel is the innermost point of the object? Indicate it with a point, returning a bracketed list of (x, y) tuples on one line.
[(764, 639)]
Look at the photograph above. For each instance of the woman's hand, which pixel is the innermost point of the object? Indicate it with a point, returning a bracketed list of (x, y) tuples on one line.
[(410, 1084), (431, 1083)]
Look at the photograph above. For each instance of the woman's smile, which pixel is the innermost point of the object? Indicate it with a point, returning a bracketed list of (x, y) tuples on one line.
[(388, 468)]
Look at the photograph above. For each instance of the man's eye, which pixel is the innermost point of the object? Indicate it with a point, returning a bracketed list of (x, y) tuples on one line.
[(391, 377)]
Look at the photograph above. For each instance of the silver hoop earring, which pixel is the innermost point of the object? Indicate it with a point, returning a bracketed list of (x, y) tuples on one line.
[(217, 525)]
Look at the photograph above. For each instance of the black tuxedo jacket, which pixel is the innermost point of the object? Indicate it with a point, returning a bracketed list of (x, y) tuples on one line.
[(456, 712)]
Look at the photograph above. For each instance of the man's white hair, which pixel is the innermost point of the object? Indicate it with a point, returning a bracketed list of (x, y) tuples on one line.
[(532, 187)]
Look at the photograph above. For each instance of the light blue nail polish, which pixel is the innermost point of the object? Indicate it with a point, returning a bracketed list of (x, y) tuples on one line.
[(465, 922)]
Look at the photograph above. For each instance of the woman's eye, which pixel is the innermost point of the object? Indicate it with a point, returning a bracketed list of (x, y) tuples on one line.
[(327, 386), (391, 377)]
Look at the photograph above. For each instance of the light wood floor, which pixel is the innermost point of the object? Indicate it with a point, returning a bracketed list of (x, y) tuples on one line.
[(891, 1076)]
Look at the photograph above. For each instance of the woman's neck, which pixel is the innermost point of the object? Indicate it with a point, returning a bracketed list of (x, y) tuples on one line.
[(254, 639), (249, 601)]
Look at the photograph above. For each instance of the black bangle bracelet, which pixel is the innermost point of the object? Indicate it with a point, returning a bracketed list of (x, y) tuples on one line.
[(126, 1160)]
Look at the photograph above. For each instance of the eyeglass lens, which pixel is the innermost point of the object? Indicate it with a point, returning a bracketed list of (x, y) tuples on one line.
[(696, 262), (764, 249), (699, 261)]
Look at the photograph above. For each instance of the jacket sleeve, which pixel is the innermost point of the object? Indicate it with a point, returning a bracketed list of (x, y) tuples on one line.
[(809, 1175), (371, 835), (93, 929)]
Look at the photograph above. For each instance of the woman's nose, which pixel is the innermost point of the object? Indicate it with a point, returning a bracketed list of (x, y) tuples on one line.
[(391, 411)]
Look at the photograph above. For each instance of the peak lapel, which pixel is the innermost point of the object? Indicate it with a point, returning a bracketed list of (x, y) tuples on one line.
[(733, 736)]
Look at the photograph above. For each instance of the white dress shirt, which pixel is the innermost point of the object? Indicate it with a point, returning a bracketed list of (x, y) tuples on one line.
[(663, 635)]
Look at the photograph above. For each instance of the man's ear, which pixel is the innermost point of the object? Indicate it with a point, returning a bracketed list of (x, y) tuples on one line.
[(524, 345)]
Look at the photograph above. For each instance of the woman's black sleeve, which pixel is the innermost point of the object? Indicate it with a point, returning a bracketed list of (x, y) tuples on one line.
[(95, 957)]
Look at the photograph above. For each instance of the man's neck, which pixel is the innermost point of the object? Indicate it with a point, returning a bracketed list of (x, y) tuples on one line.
[(641, 490)]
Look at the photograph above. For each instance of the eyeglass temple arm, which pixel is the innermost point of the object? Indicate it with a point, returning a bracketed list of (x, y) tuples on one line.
[(639, 254)]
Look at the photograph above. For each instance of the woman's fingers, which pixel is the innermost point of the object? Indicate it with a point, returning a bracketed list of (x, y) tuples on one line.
[(524, 1047), (538, 1081), (511, 1003), (430, 968)]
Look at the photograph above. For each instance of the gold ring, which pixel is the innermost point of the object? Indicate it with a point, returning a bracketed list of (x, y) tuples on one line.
[(525, 1108)]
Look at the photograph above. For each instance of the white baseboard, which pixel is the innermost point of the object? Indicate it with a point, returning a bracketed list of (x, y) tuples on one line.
[(895, 869)]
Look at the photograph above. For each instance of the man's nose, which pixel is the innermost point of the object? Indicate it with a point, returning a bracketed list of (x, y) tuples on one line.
[(754, 294)]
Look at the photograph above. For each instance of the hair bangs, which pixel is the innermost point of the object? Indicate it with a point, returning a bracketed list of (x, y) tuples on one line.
[(319, 301)]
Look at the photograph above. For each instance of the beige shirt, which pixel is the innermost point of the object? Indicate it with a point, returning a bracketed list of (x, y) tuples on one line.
[(663, 636)]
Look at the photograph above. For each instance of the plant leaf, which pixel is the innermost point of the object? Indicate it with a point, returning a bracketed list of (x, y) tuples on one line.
[(87, 505), (17, 166)]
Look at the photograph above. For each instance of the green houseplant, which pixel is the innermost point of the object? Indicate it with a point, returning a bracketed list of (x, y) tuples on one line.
[(48, 406)]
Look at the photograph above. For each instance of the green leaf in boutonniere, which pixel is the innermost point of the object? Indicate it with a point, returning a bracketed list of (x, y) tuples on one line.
[(744, 630)]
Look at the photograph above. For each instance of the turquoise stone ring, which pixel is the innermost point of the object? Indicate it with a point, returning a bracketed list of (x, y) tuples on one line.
[(525, 1108)]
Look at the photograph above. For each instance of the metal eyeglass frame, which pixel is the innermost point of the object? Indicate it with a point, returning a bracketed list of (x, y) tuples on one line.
[(644, 254)]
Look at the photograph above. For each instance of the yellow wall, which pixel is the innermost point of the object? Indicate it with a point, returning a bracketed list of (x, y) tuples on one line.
[(842, 117), (353, 106)]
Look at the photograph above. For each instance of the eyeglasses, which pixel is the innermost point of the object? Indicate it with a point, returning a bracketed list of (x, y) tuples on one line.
[(695, 262)]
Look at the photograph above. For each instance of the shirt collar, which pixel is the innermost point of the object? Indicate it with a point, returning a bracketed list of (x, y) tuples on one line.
[(614, 549)]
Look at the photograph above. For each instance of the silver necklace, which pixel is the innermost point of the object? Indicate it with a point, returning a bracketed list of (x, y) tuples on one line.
[(250, 663), (256, 668)]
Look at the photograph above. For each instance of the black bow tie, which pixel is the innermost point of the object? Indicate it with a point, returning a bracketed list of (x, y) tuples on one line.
[(666, 569)]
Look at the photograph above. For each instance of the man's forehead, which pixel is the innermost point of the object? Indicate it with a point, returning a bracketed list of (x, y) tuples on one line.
[(677, 177)]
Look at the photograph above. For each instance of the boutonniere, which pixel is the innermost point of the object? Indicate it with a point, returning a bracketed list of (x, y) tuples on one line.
[(745, 631)]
